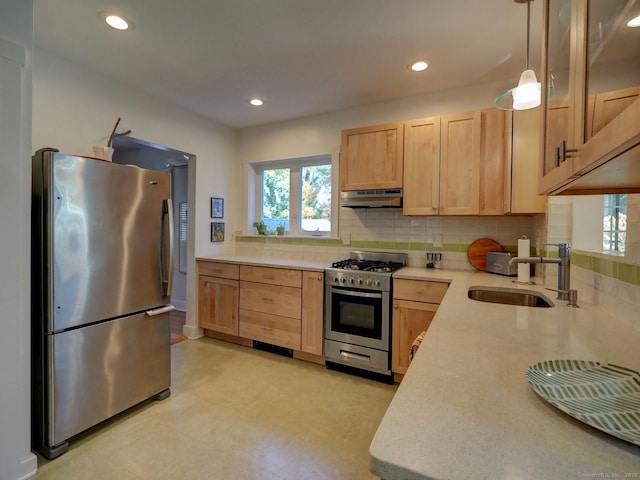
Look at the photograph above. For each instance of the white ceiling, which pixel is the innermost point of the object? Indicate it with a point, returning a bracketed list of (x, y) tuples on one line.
[(303, 57)]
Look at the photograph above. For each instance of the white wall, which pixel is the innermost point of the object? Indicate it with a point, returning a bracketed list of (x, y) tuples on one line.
[(75, 108), (16, 43)]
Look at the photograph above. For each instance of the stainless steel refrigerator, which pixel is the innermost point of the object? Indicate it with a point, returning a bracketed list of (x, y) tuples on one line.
[(101, 284)]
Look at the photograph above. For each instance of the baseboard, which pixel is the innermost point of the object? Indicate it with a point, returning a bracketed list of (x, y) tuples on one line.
[(192, 332), (228, 338), (179, 304), (308, 357)]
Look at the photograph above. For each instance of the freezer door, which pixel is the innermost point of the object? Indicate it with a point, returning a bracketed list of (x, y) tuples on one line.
[(109, 238), (103, 369)]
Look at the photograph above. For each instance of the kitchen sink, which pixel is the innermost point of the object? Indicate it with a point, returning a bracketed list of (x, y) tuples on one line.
[(509, 296)]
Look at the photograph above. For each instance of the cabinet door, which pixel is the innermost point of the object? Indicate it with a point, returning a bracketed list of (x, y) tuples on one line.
[(312, 312), (421, 166), (494, 181), (372, 157), (525, 163), (558, 86), (612, 73), (460, 164), (608, 105), (218, 304), (409, 320)]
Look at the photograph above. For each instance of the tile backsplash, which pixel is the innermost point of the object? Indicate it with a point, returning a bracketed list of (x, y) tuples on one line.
[(388, 229)]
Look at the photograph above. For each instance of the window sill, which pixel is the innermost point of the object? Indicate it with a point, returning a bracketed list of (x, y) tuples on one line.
[(291, 239)]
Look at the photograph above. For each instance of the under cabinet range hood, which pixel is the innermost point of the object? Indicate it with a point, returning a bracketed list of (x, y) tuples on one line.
[(371, 198)]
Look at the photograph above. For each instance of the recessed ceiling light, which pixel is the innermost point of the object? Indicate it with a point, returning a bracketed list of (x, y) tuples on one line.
[(634, 22), (256, 102), (117, 22), (419, 66)]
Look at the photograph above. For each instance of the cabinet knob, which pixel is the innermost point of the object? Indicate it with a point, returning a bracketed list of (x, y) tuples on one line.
[(395, 305)]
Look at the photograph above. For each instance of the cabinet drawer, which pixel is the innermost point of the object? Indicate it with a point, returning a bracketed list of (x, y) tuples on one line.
[(274, 299), (274, 276), (419, 291), (217, 269), (272, 329)]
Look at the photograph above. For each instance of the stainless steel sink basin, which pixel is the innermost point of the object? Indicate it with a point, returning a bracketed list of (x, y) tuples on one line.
[(509, 296)]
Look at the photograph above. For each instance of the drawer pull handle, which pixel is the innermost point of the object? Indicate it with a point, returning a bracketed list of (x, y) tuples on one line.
[(217, 270), (419, 292), (267, 330), (267, 277), (267, 300)]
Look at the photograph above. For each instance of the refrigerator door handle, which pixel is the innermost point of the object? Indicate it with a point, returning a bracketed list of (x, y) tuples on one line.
[(160, 310), (167, 269)]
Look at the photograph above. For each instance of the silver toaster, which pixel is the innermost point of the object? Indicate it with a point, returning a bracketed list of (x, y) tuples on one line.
[(498, 262)]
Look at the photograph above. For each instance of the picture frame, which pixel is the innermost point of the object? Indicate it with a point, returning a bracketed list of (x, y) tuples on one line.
[(217, 231), (217, 207)]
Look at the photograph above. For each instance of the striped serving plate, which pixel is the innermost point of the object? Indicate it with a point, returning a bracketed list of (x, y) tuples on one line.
[(604, 396)]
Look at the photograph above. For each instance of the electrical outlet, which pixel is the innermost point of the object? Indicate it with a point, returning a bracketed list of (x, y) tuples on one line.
[(346, 238)]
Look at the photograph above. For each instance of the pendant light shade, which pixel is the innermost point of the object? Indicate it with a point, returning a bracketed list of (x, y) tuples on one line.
[(527, 94)]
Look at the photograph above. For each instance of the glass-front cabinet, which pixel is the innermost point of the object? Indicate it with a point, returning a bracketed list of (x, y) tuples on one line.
[(591, 96), (558, 105)]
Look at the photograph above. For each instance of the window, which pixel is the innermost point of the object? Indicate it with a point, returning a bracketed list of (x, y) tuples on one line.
[(295, 194), (615, 223)]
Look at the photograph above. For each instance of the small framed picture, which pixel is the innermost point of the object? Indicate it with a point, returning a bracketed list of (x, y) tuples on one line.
[(217, 231), (217, 207)]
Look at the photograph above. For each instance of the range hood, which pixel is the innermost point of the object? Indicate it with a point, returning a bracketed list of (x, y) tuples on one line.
[(371, 198)]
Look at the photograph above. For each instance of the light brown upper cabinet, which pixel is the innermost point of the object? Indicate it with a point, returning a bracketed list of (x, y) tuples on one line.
[(456, 164), (591, 97), (521, 186), (442, 165), (372, 157)]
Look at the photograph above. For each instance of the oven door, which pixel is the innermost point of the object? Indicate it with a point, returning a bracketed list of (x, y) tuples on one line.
[(357, 317)]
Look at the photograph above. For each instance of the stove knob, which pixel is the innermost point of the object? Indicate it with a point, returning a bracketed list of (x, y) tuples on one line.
[(351, 280), (368, 282), (336, 279), (342, 280), (359, 281), (377, 283)]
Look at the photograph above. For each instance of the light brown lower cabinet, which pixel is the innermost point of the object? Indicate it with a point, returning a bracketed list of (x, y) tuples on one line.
[(415, 303), (279, 306), (218, 297), (272, 329), (312, 333)]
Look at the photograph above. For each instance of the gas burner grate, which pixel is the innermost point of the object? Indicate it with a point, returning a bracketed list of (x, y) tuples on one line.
[(368, 265)]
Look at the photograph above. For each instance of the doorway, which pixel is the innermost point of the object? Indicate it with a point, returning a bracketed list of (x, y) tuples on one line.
[(132, 151)]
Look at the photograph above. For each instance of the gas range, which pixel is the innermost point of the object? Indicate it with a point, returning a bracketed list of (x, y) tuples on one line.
[(358, 311), (365, 270)]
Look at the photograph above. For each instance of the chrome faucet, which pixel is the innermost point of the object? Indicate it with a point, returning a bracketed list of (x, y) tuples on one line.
[(564, 265)]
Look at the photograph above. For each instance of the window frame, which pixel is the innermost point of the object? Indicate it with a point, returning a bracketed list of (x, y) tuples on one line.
[(295, 166)]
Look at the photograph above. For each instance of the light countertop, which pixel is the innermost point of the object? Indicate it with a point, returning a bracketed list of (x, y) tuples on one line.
[(465, 410), (267, 262)]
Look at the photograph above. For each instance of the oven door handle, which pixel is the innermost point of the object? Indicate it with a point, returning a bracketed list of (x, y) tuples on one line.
[(356, 294)]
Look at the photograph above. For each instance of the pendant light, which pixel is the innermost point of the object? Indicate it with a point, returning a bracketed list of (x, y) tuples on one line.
[(527, 94)]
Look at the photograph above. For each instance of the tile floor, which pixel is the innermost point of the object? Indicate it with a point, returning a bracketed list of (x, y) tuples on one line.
[(236, 413)]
